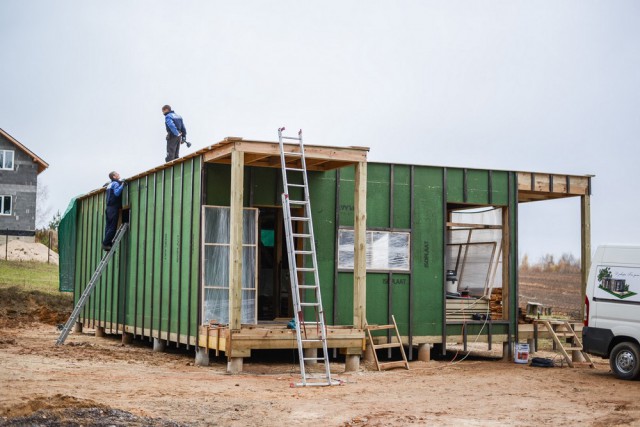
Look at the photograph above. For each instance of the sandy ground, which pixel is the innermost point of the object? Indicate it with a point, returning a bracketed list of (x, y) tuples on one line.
[(25, 251), (98, 381)]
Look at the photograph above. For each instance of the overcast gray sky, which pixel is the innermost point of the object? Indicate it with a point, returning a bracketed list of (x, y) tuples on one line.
[(543, 86)]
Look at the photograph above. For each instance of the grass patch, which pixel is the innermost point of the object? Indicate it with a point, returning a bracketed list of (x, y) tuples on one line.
[(29, 276)]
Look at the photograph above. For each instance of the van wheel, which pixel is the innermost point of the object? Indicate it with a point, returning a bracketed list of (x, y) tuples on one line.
[(625, 360)]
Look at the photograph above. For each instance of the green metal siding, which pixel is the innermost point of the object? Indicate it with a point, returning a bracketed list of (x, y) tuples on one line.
[(151, 284), (262, 186)]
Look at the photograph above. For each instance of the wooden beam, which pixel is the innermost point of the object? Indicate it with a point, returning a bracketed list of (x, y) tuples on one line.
[(310, 151), (218, 152), (585, 245), (235, 240), (250, 158), (360, 247), (506, 257)]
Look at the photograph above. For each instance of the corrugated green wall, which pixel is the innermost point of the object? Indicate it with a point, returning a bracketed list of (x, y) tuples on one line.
[(415, 299), (151, 285)]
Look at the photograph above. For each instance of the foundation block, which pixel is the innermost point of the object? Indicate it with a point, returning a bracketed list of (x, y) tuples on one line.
[(202, 356), (424, 352), (352, 363), (234, 365), (159, 345)]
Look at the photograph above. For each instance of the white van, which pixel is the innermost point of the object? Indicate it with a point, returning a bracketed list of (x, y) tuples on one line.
[(612, 309)]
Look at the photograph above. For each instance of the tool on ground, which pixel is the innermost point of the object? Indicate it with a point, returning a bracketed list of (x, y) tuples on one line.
[(562, 328), (397, 344), (301, 252), (92, 284)]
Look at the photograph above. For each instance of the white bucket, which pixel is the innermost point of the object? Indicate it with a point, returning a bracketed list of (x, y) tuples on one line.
[(521, 353), (452, 287)]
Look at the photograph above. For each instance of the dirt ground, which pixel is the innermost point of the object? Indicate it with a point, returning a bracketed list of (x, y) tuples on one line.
[(19, 250), (98, 381)]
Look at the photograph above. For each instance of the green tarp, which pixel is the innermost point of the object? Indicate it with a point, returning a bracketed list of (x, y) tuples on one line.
[(67, 247)]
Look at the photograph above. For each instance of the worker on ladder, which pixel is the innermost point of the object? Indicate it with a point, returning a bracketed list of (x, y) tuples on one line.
[(114, 203)]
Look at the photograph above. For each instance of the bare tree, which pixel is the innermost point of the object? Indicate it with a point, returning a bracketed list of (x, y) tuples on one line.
[(43, 209)]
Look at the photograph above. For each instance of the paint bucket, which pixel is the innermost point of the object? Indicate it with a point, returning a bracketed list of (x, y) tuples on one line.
[(521, 353)]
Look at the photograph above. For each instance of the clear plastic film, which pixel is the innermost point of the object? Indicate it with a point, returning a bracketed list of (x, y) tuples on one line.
[(475, 253), (386, 250), (216, 265)]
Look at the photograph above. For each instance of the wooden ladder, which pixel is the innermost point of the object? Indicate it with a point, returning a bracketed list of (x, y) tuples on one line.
[(387, 365), (563, 329)]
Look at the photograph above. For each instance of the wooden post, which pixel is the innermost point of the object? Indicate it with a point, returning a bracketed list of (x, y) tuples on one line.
[(360, 247), (506, 264), (585, 251), (235, 240)]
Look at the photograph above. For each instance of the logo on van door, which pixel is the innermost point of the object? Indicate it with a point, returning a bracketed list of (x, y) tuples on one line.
[(618, 281)]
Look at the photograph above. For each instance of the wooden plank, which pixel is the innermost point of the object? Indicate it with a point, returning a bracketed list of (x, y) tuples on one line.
[(506, 259), (350, 155), (360, 247), (585, 246), (218, 152), (235, 239), (379, 327), (474, 226)]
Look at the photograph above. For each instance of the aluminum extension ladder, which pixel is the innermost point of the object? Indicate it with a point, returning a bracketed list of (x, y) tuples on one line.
[(92, 284), (301, 247)]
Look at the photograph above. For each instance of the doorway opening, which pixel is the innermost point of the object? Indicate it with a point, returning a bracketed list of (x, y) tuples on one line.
[(274, 286)]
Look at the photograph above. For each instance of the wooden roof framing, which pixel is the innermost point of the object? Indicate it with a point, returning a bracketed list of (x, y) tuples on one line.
[(534, 186), (267, 154)]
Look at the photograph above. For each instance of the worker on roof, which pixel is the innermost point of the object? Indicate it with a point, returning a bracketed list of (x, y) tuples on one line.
[(176, 133), (114, 203)]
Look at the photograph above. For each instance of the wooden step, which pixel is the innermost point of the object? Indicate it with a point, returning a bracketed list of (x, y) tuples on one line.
[(392, 365), (378, 327), (388, 345), (572, 348)]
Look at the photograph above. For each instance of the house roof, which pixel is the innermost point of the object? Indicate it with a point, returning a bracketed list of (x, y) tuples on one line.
[(42, 165)]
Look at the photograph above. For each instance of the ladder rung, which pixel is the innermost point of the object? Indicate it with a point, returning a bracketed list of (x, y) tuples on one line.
[(296, 185), (379, 327), (388, 345), (313, 358), (292, 153), (294, 169), (305, 269), (309, 304), (307, 286), (572, 348), (311, 340), (291, 137), (301, 235), (303, 252), (298, 202), (299, 218)]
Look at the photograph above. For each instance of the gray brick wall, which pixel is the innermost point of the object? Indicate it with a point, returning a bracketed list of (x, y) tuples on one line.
[(21, 184)]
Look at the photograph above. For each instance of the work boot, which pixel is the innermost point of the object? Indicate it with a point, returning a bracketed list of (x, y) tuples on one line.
[(106, 248)]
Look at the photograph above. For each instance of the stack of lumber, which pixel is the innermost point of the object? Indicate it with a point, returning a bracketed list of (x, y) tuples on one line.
[(463, 309), (495, 305)]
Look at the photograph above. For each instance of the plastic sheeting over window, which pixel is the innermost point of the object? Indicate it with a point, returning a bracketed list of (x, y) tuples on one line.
[(474, 249), (386, 250), (215, 304)]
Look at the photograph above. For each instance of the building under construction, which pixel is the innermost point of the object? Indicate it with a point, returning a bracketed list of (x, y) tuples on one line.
[(434, 246)]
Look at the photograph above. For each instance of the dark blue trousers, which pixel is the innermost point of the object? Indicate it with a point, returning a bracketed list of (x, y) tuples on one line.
[(111, 225)]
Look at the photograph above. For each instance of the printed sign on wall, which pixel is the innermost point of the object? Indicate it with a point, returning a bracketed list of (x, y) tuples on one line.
[(618, 283)]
